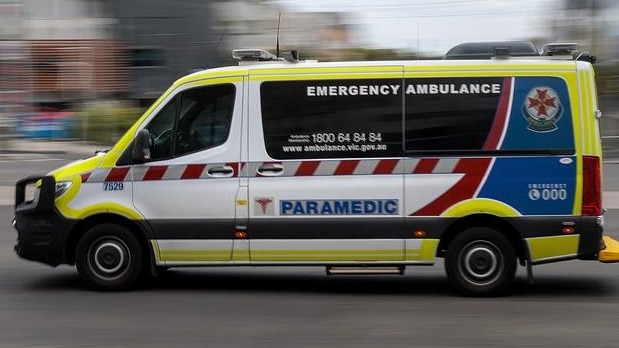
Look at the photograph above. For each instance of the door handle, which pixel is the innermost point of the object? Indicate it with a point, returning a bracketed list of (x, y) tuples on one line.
[(271, 169), (221, 171)]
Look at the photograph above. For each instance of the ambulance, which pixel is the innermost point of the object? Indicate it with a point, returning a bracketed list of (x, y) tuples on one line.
[(359, 167)]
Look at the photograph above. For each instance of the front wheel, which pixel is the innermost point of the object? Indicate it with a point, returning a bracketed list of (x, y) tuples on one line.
[(480, 262), (109, 257)]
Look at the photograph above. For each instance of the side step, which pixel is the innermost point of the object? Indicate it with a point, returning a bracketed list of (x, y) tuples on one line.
[(331, 270)]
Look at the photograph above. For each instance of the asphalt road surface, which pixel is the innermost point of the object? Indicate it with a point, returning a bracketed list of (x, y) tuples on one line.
[(570, 304)]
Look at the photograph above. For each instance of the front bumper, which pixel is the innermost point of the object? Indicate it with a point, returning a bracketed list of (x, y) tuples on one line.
[(41, 231)]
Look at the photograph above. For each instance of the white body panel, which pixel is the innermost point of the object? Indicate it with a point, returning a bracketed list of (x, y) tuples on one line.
[(422, 189), (91, 194), (201, 200)]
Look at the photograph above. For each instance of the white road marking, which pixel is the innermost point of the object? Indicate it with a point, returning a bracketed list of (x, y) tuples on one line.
[(25, 158)]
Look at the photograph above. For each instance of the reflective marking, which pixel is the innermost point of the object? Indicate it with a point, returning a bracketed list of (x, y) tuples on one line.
[(425, 166), (117, 174), (307, 168), (446, 165), (193, 171), (174, 172), (327, 167), (97, 175), (411, 164), (365, 167), (155, 173), (291, 168), (387, 167), (346, 167)]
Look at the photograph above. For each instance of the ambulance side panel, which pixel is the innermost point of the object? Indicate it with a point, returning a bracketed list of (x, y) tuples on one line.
[(325, 166), (510, 138)]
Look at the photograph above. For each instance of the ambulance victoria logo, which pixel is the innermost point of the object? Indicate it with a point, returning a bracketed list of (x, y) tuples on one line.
[(542, 109), (263, 206)]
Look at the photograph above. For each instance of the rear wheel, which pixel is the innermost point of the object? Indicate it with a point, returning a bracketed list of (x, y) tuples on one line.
[(480, 261), (109, 257)]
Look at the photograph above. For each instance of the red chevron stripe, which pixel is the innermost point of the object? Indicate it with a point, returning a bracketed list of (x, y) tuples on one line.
[(386, 166), (155, 173), (193, 171), (425, 166), (346, 167), (492, 142), (236, 167), (474, 170), (85, 176), (307, 168), (117, 174)]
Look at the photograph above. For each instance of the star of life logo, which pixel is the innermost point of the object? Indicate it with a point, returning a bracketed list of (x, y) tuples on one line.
[(542, 109), (264, 206)]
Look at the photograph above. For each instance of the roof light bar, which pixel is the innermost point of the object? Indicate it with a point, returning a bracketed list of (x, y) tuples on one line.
[(560, 49), (253, 54)]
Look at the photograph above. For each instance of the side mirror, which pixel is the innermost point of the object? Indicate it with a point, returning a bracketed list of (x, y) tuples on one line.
[(140, 151)]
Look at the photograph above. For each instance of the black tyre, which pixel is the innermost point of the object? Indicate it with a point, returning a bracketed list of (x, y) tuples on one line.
[(109, 257), (480, 262)]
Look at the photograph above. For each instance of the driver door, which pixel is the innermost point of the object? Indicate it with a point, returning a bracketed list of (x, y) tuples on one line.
[(187, 190)]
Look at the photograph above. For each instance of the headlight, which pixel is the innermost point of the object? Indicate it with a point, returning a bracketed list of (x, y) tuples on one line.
[(62, 187)]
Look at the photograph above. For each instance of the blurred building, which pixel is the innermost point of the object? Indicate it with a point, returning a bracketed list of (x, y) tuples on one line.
[(73, 53), (594, 24), (65, 51), (14, 89), (165, 40), (59, 52), (254, 24)]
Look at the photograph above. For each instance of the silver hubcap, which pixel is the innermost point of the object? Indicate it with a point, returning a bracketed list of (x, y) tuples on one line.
[(109, 258), (481, 263)]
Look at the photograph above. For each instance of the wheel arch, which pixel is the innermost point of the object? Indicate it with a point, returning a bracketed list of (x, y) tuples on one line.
[(482, 220), (141, 231)]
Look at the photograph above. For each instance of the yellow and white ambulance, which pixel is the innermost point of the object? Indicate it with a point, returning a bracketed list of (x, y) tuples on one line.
[(360, 167)]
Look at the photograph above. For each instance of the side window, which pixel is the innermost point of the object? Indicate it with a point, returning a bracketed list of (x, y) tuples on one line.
[(450, 114), (508, 115), (194, 120), (335, 118), (161, 129)]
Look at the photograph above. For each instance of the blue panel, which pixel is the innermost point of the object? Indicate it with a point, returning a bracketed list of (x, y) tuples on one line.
[(540, 116), (533, 185)]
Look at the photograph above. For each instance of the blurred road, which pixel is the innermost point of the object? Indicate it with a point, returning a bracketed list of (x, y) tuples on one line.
[(50, 147), (571, 304)]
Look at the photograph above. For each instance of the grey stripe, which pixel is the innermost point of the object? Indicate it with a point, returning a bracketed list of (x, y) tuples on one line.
[(446, 165), (99, 175), (173, 172), (291, 167), (400, 168), (138, 173), (366, 167), (410, 165), (327, 167)]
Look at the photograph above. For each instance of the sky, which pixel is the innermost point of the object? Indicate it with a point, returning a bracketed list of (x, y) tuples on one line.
[(434, 26)]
